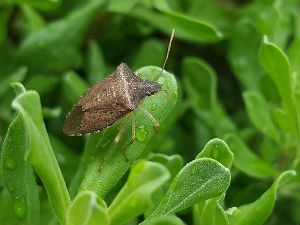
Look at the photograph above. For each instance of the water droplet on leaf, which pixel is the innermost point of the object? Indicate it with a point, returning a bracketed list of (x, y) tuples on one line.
[(141, 133), (154, 107), (19, 207)]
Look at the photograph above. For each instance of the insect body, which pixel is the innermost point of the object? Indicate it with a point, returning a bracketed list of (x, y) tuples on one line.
[(110, 100), (107, 101)]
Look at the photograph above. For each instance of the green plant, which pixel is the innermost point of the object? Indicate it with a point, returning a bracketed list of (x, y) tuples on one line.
[(228, 148)]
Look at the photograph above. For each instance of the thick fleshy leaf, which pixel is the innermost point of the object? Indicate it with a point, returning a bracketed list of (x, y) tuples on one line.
[(41, 4), (259, 115), (115, 165), (243, 58), (5, 12), (57, 51), (201, 86), (173, 162), (135, 196), (213, 213), (167, 220), (217, 149), (275, 62), (151, 52), (258, 211), (18, 176), (29, 106), (199, 180), (18, 75), (88, 209), (96, 68), (247, 161), (34, 20), (75, 86)]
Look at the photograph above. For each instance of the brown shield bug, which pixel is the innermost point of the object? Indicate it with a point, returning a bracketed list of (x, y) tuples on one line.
[(111, 99)]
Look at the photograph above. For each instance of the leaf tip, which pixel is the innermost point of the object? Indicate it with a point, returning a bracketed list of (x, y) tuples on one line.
[(18, 87)]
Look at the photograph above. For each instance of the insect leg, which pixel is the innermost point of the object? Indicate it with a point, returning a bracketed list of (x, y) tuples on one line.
[(116, 140), (132, 137), (151, 118), (167, 93)]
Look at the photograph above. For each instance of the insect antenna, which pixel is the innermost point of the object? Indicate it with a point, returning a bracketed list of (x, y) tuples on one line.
[(166, 59)]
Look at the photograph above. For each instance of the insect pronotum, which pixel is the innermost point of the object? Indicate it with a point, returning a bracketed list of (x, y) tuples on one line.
[(111, 99)]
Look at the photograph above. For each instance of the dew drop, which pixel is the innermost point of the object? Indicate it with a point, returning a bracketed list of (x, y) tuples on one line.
[(9, 163), (153, 107), (141, 133), (175, 94), (19, 207)]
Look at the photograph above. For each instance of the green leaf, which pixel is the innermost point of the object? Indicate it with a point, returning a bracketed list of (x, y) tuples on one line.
[(34, 20), (199, 180), (201, 86), (210, 211), (18, 75), (294, 55), (217, 149), (67, 159), (164, 24), (213, 213), (281, 118), (40, 153), (151, 52), (198, 28), (275, 62), (243, 58), (115, 164), (75, 86), (18, 176), (7, 215), (91, 144), (51, 113), (167, 220), (43, 84), (124, 6), (258, 211), (173, 162), (5, 12), (135, 196), (246, 161), (258, 112), (41, 4), (294, 58), (49, 51), (96, 68), (88, 209)]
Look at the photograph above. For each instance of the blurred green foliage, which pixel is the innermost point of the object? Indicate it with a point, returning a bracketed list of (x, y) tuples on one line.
[(228, 145)]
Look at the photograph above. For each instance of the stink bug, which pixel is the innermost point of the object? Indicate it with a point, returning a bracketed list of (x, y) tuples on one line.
[(111, 99)]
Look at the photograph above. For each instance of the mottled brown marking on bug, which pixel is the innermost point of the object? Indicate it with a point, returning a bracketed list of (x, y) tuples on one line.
[(107, 101)]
